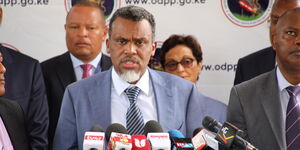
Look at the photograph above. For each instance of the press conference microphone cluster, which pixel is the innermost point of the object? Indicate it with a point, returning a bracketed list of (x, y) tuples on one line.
[(227, 134), (117, 138)]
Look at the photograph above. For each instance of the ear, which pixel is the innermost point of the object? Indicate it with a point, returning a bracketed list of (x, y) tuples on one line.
[(154, 45), (105, 31), (107, 46), (65, 27), (274, 41), (1, 15), (199, 67)]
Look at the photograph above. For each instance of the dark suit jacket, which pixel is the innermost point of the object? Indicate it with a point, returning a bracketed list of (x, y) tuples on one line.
[(12, 116), (25, 85), (58, 74), (254, 107), (254, 64)]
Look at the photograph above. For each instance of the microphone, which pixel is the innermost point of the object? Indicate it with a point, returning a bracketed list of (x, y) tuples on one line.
[(140, 142), (94, 140), (179, 141), (227, 134), (115, 127), (158, 139), (117, 137), (196, 131), (152, 126), (204, 140)]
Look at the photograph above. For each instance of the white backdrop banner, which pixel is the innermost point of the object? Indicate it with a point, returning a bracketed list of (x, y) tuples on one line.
[(226, 30)]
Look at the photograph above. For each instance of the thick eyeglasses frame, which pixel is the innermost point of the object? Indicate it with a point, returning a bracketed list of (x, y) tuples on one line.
[(185, 62)]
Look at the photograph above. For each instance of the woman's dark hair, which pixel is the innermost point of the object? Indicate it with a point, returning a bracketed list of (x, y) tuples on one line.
[(174, 40)]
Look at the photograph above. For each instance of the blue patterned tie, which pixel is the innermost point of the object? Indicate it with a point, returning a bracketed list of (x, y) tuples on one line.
[(293, 120), (134, 117)]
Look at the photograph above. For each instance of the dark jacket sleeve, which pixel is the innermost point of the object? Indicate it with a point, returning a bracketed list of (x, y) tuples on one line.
[(38, 117)]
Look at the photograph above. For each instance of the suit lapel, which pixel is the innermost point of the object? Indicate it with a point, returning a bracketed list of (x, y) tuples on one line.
[(65, 71), (100, 98), (271, 103), (7, 58), (105, 63), (163, 92)]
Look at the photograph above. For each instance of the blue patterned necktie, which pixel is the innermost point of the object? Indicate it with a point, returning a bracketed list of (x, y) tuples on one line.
[(134, 117), (293, 120)]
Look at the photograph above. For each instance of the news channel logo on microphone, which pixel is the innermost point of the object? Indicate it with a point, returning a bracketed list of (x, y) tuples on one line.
[(109, 5), (247, 13)]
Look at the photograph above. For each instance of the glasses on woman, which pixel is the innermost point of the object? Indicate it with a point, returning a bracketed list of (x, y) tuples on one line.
[(185, 62)]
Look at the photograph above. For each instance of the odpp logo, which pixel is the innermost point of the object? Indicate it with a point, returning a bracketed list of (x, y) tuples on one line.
[(247, 13), (110, 6)]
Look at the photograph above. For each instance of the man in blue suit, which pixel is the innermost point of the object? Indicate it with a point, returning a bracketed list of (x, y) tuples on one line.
[(103, 98)]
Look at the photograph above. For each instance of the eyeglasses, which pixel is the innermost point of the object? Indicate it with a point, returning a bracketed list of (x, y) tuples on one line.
[(185, 62)]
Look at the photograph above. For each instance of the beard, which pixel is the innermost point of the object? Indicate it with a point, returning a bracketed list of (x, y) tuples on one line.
[(130, 76)]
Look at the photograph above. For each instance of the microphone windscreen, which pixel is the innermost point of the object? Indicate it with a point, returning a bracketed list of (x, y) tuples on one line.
[(176, 134), (96, 128), (211, 124), (152, 126), (196, 131), (115, 127)]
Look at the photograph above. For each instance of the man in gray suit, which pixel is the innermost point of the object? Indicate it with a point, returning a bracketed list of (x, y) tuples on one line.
[(260, 106), (104, 98)]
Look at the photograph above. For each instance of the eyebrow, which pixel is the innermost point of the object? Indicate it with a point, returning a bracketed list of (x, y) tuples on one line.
[(291, 28)]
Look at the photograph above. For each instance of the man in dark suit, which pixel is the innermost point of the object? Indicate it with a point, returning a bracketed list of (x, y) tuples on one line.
[(262, 61), (25, 85), (85, 31), (267, 107), (12, 122), (254, 64)]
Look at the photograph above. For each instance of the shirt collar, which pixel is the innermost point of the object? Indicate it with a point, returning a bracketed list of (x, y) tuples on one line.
[(120, 85), (76, 62), (282, 82)]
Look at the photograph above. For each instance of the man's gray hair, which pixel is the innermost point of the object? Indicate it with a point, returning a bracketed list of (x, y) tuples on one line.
[(133, 13)]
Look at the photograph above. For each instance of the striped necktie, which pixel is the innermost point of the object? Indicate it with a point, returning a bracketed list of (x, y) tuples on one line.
[(134, 117), (293, 120)]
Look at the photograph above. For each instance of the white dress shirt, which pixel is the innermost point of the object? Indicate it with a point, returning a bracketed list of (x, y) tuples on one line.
[(120, 103), (284, 95), (78, 70)]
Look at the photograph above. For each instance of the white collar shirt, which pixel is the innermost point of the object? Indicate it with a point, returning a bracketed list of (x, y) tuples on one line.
[(120, 103), (78, 70), (284, 96)]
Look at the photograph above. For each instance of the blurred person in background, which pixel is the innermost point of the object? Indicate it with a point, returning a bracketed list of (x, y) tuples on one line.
[(12, 122), (182, 56), (24, 84), (263, 61), (85, 31)]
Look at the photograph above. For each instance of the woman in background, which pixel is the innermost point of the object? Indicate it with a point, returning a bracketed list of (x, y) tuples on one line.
[(182, 56)]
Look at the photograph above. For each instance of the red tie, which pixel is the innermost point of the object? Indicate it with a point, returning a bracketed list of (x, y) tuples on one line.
[(86, 70)]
